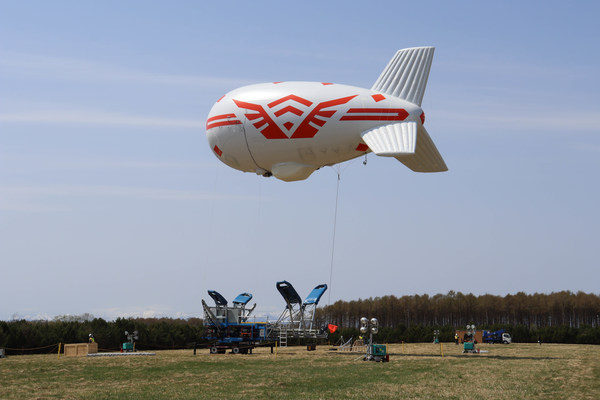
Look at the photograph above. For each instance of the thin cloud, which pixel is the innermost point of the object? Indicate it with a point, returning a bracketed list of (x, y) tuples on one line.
[(80, 117), (39, 198), (527, 122), (594, 148), (45, 67), (23, 161), (27, 206), (474, 64), (113, 191), (516, 117)]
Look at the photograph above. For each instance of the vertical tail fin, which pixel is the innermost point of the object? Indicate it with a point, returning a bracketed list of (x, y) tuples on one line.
[(406, 74)]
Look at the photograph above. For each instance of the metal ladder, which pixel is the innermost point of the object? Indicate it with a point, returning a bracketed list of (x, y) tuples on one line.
[(282, 337)]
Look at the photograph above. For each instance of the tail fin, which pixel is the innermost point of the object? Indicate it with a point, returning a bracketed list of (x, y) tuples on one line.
[(406, 74), (409, 143), (426, 157)]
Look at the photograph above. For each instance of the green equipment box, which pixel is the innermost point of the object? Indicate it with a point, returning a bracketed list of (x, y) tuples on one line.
[(379, 349)]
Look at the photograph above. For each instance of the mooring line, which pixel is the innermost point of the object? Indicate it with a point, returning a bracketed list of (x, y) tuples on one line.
[(337, 192)]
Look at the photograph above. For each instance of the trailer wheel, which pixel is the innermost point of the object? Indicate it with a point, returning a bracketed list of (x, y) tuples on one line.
[(214, 350), (235, 350)]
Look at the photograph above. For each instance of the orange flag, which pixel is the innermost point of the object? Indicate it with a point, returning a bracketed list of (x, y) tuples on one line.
[(332, 328)]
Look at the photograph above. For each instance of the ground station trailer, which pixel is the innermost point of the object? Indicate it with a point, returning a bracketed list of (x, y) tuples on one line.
[(228, 327), (298, 317)]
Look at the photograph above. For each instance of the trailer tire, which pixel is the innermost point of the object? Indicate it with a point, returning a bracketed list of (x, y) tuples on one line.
[(235, 350), (214, 350)]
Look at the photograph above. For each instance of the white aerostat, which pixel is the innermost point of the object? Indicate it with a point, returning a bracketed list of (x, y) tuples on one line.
[(290, 129)]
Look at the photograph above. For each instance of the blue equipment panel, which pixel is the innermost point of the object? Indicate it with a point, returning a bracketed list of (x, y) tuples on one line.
[(216, 296), (314, 296), (288, 292), (242, 299)]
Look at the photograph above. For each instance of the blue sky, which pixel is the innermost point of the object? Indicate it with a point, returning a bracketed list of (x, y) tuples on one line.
[(111, 202)]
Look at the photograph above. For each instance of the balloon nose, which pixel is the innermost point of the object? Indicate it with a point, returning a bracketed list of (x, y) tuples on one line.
[(226, 137)]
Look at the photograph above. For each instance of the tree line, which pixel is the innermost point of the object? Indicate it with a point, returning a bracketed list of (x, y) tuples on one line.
[(456, 309), (559, 317), (24, 337)]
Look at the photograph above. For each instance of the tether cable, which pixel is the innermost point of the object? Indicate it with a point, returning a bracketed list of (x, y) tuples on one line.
[(337, 193)]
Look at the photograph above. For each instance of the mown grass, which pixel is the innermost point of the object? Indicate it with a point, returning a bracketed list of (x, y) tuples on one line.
[(415, 371)]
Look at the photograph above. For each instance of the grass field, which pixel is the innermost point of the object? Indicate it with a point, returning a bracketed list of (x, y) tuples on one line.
[(415, 371)]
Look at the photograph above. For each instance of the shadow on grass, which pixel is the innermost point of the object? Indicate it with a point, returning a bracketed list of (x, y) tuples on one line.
[(476, 356), (484, 355)]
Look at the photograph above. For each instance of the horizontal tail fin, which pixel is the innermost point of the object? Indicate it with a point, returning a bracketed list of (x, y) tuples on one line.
[(406, 74), (392, 140), (408, 142), (426, 158)]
